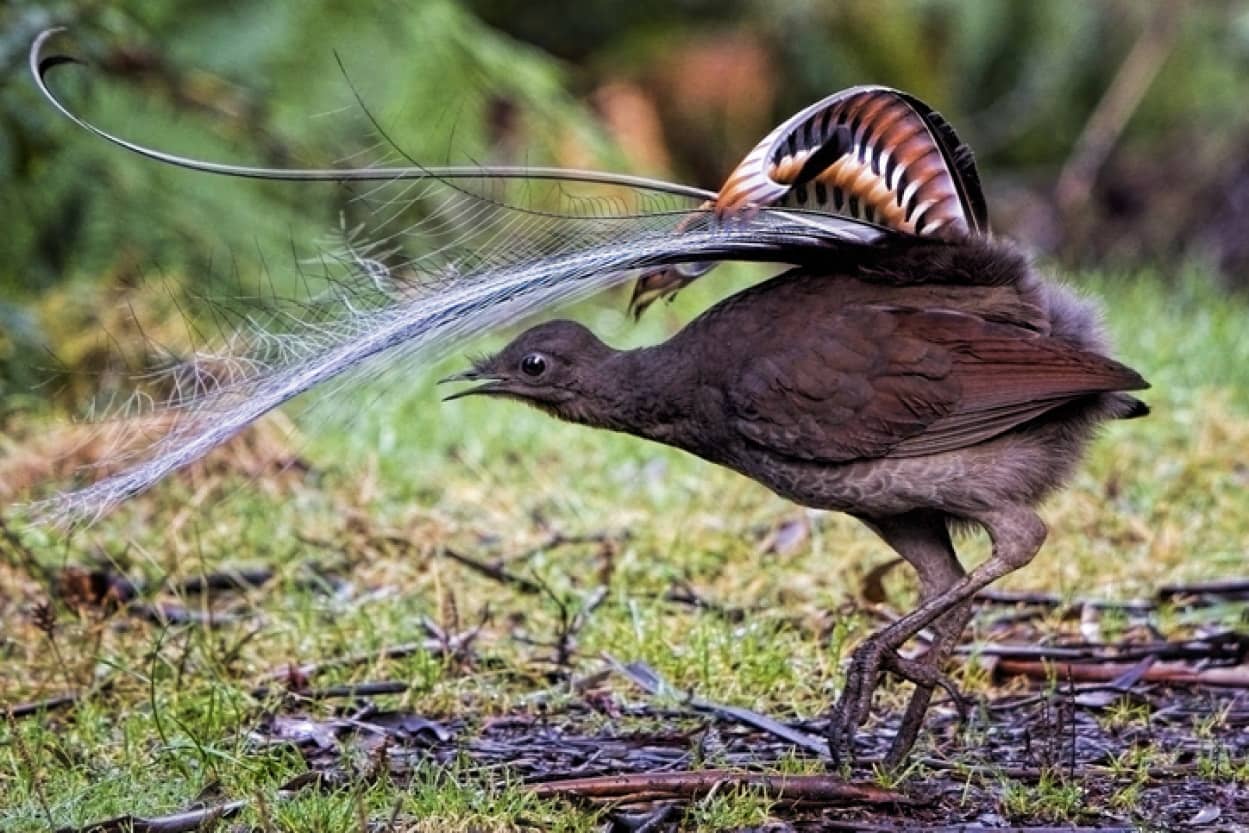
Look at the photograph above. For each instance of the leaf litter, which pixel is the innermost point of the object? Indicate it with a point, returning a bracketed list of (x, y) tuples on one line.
[(1139, 713)]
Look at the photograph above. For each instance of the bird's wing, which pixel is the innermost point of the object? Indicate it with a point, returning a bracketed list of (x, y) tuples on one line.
[(867, 153), (1006, 380), (850, 390), (882, 382)]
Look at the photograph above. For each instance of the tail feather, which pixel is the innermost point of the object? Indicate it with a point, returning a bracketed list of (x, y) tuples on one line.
[(1133, 408)]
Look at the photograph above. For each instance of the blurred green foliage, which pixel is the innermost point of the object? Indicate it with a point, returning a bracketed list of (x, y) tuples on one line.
[(1018, 79), (250, 83), (245, 83), (679, 88)]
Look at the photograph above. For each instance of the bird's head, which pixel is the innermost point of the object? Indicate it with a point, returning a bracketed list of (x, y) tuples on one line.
[(551, 366)]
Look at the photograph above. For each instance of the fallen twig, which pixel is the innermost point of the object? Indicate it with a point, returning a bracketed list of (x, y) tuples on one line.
[(1195, 594), (331, 692), (649, 680), (559, 539), (48, 704), (58, 701), (1229, 648), (182, 822), (1173, 673), (872, 588), (496, 572), (682, 593), (455, 643), (110, 591), (241, 579), (1224, 590), (575, 685), (656, 816), (198, 818), (1010, 597), (823, 789), (174, 614)]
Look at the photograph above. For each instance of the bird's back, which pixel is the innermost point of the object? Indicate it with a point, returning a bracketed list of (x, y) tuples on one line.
[(899, 356)]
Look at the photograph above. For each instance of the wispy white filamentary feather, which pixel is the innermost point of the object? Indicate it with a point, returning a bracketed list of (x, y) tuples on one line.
[(472, 264)]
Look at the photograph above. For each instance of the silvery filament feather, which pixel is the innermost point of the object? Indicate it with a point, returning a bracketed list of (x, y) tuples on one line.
[(472, 263)]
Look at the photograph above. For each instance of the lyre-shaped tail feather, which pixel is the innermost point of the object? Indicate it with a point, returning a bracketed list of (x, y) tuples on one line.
[(868, 153)]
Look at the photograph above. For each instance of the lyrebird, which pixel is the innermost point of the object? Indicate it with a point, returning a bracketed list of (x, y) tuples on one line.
[(911, 371)]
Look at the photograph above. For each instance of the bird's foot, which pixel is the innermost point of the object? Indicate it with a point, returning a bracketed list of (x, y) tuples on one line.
[(926, 677), (925, 674), (855, 703), (854, 706)]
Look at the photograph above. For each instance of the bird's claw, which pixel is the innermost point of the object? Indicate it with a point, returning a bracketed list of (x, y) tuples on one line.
[(855, 703), (854, 706)]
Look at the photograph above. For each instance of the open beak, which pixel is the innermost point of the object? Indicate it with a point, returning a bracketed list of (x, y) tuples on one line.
[(490, 383)]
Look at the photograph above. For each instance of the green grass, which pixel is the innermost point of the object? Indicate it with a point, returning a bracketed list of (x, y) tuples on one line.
[(1160, 499)]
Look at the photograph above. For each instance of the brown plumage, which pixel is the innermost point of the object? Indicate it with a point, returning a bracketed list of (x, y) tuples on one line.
[(920, 378)]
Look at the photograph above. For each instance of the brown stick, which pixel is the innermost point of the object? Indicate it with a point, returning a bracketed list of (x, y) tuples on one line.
[(659, 785), (1229, 648), (682, 593), (244, 578), (559, 539), (1196, 594), (495, 572), (454, 643), (1102, 672), (331, 692), (49, 704), (57, 701), (649, 680), (1225, 588), (1009, 597), (183, 822)]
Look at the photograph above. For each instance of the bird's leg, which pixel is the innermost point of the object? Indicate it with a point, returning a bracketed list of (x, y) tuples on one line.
[(1017, 534), (948, 631), (919, 672), (923, 539)]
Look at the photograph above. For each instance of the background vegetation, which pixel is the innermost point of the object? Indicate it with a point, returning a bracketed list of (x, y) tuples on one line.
[(671, 89)]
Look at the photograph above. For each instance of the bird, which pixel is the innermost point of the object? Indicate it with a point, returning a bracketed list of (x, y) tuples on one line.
[(911, 369), (928, 381)]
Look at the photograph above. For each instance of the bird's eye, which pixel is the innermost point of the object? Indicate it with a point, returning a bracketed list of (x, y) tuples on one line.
[(533, 365)]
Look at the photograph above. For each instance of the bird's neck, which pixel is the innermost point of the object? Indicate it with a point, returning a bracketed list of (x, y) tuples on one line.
[(648, 393)]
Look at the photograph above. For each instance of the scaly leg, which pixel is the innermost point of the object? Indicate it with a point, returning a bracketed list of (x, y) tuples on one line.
[(923, 539), (1017, 534), (949, 630)]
